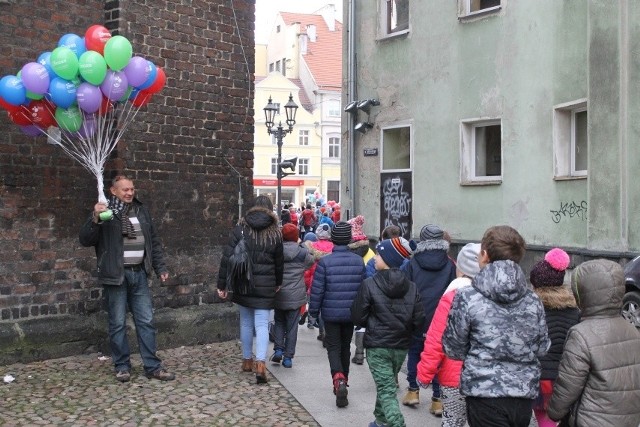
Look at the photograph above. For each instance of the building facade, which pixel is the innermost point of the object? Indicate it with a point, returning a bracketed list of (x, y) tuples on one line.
[(496, 112), (303, 57)]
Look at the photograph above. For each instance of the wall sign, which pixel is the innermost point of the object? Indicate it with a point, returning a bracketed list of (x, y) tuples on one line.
[(370, 152)]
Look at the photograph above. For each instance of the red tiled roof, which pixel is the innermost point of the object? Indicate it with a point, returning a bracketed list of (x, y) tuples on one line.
[(304, 99), (324, 56)]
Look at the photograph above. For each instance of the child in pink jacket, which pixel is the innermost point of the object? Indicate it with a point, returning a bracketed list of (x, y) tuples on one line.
[(433, 361)]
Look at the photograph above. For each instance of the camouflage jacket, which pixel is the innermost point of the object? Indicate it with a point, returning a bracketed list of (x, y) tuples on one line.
[(497, 326)]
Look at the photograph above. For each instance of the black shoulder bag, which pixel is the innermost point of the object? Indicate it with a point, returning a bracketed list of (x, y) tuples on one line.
[(240, 268)]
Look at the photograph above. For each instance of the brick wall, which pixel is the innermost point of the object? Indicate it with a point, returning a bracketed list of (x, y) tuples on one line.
[(175, 151)]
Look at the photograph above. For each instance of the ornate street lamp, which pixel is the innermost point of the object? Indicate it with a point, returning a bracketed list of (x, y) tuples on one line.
[(270, 111)]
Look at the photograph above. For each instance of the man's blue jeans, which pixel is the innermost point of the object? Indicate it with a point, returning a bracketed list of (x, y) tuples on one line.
[(134, 294), (413, 358), (286, 331)]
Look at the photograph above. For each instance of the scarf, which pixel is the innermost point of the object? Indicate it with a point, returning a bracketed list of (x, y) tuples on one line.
[(121, 208)]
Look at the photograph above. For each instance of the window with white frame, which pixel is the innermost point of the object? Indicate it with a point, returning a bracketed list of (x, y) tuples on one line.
[(303, 137), (481, 151), (333, 108), (303, 166), (334, 147), (474, 7), (271, 67), (333, 191), (396, 148), (570, 140), (394, 17), (277, 65), (274, 166)]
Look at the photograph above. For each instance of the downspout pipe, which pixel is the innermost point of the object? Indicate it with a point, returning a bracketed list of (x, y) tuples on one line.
[(351, 78)]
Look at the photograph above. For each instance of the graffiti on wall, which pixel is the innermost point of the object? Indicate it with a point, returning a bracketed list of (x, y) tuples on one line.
[(570, 210), (395, 203)]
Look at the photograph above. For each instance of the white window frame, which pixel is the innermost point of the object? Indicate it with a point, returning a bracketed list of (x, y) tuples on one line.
[(464, 9), (274, 166), (383, 15), (336, 147), (468, 152), (333, 108), (303, 167), (564, 139), (303, 139), (384, 128)]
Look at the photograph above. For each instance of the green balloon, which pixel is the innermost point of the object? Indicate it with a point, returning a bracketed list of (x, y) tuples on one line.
[(69, 119), (93, 67), (117, 52), (126, 95), (64, 62)]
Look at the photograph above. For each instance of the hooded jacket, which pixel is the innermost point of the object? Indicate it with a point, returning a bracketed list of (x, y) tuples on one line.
[(599, 374), (497, 327), (388, 305), (561, 313), (293, 293), (431, 270), (264, 240)]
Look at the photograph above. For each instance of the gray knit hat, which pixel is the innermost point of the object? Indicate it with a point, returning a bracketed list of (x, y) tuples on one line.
[(468, 259), (431, 232), (323, 232), (341, 233)]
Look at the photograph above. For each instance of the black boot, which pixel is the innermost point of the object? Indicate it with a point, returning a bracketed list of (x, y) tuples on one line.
[(358, 358)]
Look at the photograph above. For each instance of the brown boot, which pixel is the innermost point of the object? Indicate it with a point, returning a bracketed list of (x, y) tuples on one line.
[(261, 373), (247, 365)]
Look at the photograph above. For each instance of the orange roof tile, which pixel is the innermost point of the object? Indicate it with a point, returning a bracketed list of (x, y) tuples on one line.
[(324, 56)]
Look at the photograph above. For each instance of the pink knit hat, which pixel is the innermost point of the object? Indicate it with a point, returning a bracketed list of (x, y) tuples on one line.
[(550, 270), (357, 231)]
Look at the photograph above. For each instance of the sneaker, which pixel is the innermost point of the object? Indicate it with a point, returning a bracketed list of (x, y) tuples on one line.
[(309, 325), (320, 336), (277, 356), (358, 359), (161, 374), (436, 407), (123, 376), (303, 318), (341, 394), (412, 398), (287, 362)]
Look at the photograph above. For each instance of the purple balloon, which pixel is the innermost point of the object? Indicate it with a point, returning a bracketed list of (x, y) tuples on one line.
[(88, 127), (137, 71), (89, 97), (153, 72), (31, 130), (35, 77), (115, 85)]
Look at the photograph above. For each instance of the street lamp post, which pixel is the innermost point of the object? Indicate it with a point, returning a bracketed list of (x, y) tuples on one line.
[(279, 132)]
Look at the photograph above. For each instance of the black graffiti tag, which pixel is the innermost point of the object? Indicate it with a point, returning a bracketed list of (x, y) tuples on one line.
[(397, 203), (570, 210)]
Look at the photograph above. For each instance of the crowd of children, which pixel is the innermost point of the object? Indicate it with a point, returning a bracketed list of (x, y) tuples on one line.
[(495, 349)]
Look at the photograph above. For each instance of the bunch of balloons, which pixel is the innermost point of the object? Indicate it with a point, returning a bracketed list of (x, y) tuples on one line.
[(82, 79)]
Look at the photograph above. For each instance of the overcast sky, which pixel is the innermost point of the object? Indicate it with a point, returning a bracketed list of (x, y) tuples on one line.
[(266, 11)]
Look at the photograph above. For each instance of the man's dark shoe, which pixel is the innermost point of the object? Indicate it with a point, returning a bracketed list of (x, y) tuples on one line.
[(123, 376), (161, 374)]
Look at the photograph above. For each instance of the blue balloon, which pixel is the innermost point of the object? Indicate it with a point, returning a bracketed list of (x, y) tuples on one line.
[(134, 93), (62, 92), (73, 42), (45, 59), (12, 90), (152, 76)]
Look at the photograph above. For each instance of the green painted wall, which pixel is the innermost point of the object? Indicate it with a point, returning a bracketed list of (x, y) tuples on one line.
[(516, 65)]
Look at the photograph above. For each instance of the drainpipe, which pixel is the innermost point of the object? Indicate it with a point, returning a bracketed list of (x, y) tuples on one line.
[(351, 78)]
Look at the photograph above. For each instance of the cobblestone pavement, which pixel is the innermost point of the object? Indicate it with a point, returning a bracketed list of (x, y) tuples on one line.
[(209, 389)]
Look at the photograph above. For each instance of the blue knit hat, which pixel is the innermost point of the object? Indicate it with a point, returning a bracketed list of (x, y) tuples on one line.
[(395, 251)]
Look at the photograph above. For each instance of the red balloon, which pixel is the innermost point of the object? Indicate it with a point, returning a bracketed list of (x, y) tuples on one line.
[(41, 114), (105, 107), (158, 83), (4, 104), (20, 116), (142, 98), (96, 37)]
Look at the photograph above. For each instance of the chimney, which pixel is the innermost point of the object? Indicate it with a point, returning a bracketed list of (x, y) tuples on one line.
[(312, 33), (329, 15)]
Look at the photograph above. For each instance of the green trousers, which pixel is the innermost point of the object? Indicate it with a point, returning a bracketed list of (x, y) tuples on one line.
[(384, 364)]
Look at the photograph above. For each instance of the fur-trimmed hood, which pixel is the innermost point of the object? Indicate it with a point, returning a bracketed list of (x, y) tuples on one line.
[(320, 248), (556, 297), (359, 247), (262, 224)]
